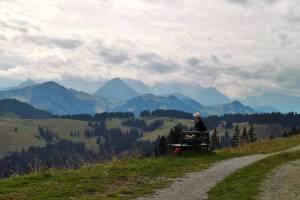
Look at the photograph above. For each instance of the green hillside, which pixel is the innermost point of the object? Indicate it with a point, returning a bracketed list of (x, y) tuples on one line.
[(124, 179), (17, 109), (16, 134)]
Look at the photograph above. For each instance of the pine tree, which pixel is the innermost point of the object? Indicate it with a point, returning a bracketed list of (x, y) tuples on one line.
[(226, 139), (162, 146), (252, 134), (245, 137), (214, 140), (236, 137)]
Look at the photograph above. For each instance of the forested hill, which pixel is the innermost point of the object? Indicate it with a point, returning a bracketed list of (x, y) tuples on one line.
[(15, 108)]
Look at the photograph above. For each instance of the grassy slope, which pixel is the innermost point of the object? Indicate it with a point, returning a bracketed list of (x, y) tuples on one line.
[(10, 140), (114, 180), (25, 136), (245, 183), (27, 131), (266, 146), (122, 179)]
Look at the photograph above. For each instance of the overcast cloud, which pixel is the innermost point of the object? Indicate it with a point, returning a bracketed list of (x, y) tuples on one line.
[(241, 47)]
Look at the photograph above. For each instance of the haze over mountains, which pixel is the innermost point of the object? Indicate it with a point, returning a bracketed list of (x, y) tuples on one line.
[(57, 99), (135, 96)]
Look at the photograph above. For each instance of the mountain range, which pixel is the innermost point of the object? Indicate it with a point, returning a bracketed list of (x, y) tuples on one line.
[(152, 102), (135, 96), (281, 102), (57, 99), (207, 96), (23, 84)]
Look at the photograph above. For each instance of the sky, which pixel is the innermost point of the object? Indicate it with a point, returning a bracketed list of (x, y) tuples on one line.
[(241, 47)]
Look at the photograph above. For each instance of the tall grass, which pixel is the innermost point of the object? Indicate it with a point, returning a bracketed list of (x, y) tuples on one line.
[(266, 146)]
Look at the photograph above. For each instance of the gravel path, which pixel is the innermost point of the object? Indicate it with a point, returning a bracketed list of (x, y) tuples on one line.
[(196, 185), (283, 183)]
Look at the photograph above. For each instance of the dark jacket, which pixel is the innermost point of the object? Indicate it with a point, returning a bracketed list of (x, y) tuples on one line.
[(199, 126)]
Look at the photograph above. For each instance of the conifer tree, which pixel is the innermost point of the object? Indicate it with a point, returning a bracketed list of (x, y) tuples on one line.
[(226, 139), (162, 146), (236, 137), (252, 134), (245, 137)]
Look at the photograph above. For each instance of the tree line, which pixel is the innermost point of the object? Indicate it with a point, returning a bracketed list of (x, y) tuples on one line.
[(98, 116), (166, 113), (285, 119)]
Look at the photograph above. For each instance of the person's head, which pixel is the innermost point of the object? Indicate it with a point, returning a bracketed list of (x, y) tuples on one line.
[(197, 117)]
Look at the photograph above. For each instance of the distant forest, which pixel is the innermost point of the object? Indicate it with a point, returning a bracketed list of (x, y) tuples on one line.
[(61, 153), (285, 119), (98, 116)]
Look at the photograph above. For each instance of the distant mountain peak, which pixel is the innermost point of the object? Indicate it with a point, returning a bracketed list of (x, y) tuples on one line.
[(116, 89), (51, 84), (237, 103), (28, 81)]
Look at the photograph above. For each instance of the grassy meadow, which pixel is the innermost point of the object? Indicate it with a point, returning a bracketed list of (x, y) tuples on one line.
[(126, 179), (16, 134)]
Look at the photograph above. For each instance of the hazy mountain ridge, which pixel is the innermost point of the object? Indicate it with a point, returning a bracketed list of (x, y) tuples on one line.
[(152, 102), (281, 102), (206, 96), (57, 99), (21, 85), (60, 100), (15, 108)]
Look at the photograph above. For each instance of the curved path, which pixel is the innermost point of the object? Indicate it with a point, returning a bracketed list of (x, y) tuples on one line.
[(196, 185), (283, 183)]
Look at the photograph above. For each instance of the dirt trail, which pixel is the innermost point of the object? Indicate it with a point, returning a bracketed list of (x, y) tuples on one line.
[(283, 183), (195, 186)]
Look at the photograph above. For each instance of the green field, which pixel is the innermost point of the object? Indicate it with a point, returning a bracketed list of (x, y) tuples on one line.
[(124, 179), (16, 134)]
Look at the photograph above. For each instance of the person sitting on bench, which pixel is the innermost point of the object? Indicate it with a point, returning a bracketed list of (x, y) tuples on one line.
[(199, 125)]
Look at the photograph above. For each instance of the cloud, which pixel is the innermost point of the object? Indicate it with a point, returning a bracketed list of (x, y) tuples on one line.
[(12, 27), (112, 55), (247, 2), (193, 61), (51, 42), (241, 47), (243, 2), (154, 62)]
